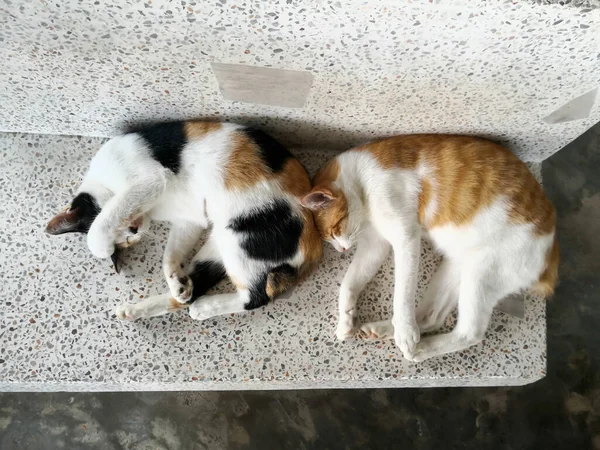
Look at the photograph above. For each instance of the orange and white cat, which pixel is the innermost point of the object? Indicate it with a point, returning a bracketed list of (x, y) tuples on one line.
[(478, 204)]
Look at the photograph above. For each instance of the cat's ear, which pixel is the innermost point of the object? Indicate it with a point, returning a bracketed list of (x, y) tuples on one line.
[(66, 221), (318, 198), (77, 217)]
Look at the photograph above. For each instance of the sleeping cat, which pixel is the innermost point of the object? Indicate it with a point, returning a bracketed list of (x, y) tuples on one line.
[(195, 174), (478, 204)]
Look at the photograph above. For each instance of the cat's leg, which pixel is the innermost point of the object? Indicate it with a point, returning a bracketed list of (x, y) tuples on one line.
[(216, 305), (205, 271), (206, 268), (371, 251), (182, 238), (123, 209), (157, 305), (479, 292), (406, 243), (247, 275), (441, 297), (437, 304), (246, 298)]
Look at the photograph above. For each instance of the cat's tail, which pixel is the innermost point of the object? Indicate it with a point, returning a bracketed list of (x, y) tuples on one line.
[(280, 279), (285, 276), (549, 277)]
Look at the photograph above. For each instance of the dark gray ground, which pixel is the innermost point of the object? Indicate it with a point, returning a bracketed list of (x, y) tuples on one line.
[(560, 412)]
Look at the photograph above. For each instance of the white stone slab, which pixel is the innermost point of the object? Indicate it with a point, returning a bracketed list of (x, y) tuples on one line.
[(57, 331), (493, 68)]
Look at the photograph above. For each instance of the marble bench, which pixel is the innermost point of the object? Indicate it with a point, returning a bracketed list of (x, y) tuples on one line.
[(58, 331)]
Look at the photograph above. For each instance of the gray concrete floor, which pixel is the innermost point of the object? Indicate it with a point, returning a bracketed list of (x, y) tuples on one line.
[(562, 411)]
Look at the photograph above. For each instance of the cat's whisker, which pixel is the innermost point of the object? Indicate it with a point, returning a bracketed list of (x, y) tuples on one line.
[(355, 234)]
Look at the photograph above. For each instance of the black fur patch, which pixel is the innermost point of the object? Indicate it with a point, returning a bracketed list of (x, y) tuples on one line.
[(165, 141), (270, 233), (205, 275), (273, 154), (87, 210), (258, 294)]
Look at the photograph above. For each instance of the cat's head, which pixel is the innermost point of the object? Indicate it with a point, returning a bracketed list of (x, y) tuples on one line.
[(79, 215), (336, 222)]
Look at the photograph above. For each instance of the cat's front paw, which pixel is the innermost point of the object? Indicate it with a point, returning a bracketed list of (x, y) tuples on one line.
[(101, 244), (407, 335), (181, 287), (127, 312), (346, 325)]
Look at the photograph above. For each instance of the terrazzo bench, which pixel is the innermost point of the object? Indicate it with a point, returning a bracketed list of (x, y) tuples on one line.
[(58, 332)]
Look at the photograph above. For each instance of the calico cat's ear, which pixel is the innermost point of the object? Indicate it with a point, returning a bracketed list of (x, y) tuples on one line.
[(318, 198), (66, 221)]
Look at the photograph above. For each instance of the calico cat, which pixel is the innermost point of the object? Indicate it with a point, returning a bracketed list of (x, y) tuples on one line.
[(195, 174), (478, 204)]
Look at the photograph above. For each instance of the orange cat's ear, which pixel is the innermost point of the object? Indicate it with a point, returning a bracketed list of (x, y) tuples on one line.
[(318, 198), (66, 221)]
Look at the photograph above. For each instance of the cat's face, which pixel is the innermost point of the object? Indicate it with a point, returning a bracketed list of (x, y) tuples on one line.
[(330, 210), (81, 213)]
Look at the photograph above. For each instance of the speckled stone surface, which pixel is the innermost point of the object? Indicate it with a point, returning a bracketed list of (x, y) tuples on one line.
[(57, 331), (493, 68), (575, 3)]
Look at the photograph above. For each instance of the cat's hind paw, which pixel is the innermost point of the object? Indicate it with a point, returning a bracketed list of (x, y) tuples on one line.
[(181, 287)]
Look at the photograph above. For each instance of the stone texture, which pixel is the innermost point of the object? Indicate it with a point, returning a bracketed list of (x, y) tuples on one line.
[(59, 333), (558, 412), (492, 68)]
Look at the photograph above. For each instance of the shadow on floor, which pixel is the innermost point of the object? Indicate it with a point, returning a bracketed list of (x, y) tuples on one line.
[(561, 411)]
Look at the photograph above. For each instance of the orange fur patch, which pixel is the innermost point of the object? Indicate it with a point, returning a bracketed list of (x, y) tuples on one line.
[(311, 244), (244, 168), (549, 277), (327, 174), (398, 151), (274, 287), (174, 305), (333, 218), (424, 198), (293, 178), (197, 129), (467, 174)]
